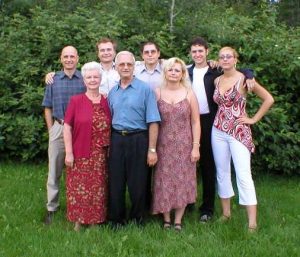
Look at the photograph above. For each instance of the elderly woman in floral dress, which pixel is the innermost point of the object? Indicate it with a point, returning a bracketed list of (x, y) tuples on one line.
[(87, 137)]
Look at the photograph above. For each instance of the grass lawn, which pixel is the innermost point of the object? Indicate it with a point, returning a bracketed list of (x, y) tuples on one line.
[(22, 233)]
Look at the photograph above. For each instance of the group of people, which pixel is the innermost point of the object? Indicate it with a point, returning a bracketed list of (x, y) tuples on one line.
[(124, 125)]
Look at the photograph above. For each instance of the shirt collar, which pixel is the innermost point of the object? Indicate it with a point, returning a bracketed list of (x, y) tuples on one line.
[(77, 74), (157, 68), (112, 67), (133, 83)]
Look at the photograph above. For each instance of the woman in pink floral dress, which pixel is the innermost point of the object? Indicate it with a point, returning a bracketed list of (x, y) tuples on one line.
[(174, 183)]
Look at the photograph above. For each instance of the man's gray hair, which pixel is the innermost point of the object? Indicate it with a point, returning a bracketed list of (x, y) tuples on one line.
[(124, 53)]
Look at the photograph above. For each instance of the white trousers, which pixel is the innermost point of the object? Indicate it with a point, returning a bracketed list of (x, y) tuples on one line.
[(224, 147), (56, 154)]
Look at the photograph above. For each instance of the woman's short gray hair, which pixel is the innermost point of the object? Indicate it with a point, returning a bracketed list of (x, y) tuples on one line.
[(91, 66)]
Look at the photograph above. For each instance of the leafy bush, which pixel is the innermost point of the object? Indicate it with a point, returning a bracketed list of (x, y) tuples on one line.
[(32, 38)]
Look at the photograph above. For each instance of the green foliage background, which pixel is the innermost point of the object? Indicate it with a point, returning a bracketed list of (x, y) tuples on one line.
[(34, 31)]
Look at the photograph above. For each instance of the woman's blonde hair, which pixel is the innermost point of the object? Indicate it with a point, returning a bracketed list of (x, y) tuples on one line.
[(234, 52), (185, 81)]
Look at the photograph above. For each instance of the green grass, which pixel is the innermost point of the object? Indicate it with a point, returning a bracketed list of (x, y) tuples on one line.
[(22, 233)]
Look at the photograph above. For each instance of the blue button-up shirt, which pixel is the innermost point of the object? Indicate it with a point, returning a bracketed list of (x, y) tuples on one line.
[(58, 94), (134, 107)]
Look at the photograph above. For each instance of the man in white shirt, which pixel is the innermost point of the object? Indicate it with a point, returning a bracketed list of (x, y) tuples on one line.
[(106, 48), (202, 76)]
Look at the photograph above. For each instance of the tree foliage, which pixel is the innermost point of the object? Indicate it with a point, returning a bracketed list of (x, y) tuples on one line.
[(34, 31)]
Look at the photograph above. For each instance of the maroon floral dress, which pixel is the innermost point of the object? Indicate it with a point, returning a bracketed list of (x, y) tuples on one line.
[(87, 185), (174, 184)]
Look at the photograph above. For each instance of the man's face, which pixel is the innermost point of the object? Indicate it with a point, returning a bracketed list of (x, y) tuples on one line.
[(150, 54), (69, 58), (199, 54), (125, 66), (106, 52)]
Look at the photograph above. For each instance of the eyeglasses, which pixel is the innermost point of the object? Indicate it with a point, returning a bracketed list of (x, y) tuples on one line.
[(150, 52), (227, 56), (123, 64)]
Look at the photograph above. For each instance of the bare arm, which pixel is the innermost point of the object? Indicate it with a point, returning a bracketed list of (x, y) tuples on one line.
[(267, 102), (48, 117), (69, 159), (196, 127), (153, 134)]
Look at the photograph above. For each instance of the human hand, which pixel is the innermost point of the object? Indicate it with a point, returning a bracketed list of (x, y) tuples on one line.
[(213, 64), (49, 78), (250, 83), (245, 120), (195, 154), (151, 159), (69, 160)]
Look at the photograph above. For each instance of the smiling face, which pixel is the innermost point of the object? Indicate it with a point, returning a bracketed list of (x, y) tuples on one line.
[(150, 54), (92, 79), (106, 52), (69, 58), (199, 54), (227, 58)]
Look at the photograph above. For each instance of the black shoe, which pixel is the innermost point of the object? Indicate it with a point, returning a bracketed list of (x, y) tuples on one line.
[(190, 207), (49, 217), (204, 218)]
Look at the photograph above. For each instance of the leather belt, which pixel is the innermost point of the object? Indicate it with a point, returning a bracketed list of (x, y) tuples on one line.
[(129, 132), (60, 121)]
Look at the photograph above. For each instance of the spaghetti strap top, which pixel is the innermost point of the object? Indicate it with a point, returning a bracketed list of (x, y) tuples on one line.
[(231, 106)]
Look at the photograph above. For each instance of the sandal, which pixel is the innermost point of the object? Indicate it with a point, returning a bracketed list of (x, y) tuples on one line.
[(252, 229), (224, 218), (178, 227), (166, 225)]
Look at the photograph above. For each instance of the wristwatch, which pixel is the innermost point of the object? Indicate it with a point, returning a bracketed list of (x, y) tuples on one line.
[(152, 150)]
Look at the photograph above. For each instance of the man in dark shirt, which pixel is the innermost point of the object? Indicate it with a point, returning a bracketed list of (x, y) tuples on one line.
[(202, 76), (67, 83)]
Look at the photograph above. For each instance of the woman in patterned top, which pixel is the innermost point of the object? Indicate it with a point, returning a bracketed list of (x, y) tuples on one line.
[(231, 135), (87, 137)]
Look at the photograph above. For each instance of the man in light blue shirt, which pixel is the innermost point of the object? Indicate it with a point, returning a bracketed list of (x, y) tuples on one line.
[(135, 120), (150, 70)]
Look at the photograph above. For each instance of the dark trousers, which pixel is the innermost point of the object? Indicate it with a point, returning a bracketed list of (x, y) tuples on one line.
[(207, 166), (128, 165)]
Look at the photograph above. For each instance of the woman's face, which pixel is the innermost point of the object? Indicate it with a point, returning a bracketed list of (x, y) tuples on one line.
[(174, 74), (92, 79), (227, 59)]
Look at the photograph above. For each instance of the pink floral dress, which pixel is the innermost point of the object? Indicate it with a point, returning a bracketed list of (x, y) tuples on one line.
[(174, 184)]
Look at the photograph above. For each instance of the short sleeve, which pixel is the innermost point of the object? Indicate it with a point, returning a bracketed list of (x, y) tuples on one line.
[(47, 101), (70, 112), (152, 113)]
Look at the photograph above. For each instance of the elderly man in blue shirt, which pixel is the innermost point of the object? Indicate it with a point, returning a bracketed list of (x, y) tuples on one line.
[(135, 120)]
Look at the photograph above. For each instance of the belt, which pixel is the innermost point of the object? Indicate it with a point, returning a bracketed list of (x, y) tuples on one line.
[(129, 132), (60, 121)]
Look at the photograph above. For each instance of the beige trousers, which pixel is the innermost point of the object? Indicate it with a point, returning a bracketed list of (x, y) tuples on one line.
[(56, 155)]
